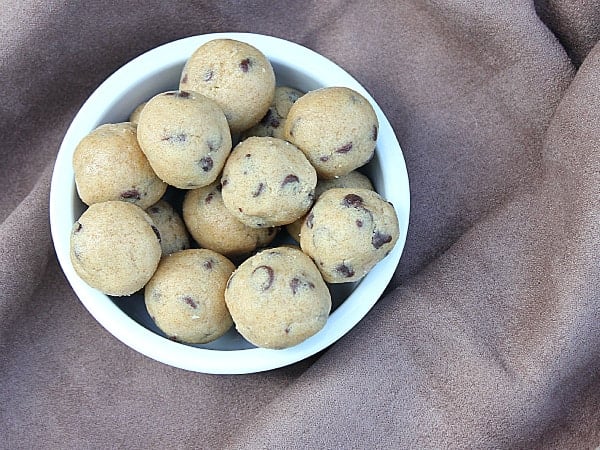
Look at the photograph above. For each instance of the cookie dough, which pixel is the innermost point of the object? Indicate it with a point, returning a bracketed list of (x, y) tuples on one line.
[(347, 232), (109, 165), (267, 182), (236, 75), (115, 247), (273, 122), (335, 127), (277, 298), (185, 138), (173, 234), (134, 118), (185, 297), (212, 225), (353, 179)]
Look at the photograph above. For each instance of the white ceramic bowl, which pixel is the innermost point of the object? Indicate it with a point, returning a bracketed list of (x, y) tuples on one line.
[(159, 70)]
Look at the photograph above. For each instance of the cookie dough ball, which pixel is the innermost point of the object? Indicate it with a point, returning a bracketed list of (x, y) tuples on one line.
[(185, 138), (273, 122), (173, 234), (335, 127), (134, 118), (212, 225), (115, 247), (277, 298), (268, 182), (353, 179), (235, 75), (185, 297), (109, 165), (347, 232)]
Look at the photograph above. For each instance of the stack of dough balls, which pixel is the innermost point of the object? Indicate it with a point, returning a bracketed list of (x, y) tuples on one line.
[(201, 178)]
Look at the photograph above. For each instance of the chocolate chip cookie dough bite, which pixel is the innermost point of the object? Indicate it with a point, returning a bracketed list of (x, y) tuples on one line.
[(185, 137), (173, 233), (213, 226), (185, 297), (277, 298), (115, 247), (236, 75), (347, 232), (134, 118), (272, 124), (335, 127), (267, 182), (109, 165), (353, 179)]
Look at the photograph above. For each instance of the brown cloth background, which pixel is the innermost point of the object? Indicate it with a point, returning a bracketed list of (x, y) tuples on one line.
[(489, 334)]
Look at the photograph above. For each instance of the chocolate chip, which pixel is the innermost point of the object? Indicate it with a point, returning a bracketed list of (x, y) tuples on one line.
[(77, 227), (287, 330), (240, 210), (248, 155), (380, 238), (270, 119), (345, 270), (156, 232), (206, 163), (345, 148), (184, 78), (131, 194), (174, 338), (208, 75), (270, 276), (214, 143), (245, 65), (209, 198), (224, 182), (324, 158), (359, 223), (183, 94), (310, 220), (353, 200), (291, 178), (297, 284), (208, 264), (190, 301), (259, 190), (176, 138), (374, 133)]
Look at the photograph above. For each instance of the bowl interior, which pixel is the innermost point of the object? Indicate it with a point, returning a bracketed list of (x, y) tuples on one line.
[(126, 317)]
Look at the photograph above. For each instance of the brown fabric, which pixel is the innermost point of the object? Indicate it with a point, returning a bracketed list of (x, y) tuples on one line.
[(489, 334)]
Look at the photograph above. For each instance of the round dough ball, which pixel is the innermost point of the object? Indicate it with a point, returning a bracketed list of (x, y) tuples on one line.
[(115, 247), (335, 127), (134, 118), (185, 297), (185, 138), (273, 122), (347, 232), (109, 165), (277, 298), (234, 74), (353, 179), (212, 225), (267, 182), (173, 234)]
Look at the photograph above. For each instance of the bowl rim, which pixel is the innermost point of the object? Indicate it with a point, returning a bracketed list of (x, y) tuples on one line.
[(145, 341)]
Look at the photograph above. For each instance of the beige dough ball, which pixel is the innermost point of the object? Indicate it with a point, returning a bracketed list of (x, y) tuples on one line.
[(109, 165), (185, 137), (173, 234), (347, 232), (267, 182), (134, 118), (185, 297), (234, 74), (335, 127), (353, 179), (115, 247), (277, 298), (212, 225)]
